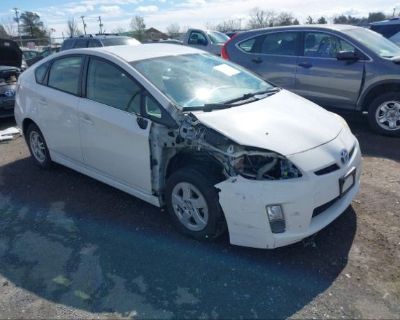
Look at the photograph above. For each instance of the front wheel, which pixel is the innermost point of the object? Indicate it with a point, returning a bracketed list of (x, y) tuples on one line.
[(192, 202), (384, 114)]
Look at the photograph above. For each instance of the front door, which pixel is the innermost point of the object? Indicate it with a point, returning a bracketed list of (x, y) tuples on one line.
[(113, 144), (324, 79)]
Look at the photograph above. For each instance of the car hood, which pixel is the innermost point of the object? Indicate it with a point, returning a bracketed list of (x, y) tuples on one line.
[(284, 122), (10, 53)]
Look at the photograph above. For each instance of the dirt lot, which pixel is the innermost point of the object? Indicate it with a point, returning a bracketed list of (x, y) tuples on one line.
[(73, 247)]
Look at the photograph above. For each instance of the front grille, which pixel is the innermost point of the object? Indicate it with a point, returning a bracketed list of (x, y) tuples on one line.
[(317, 211), (328, 169)]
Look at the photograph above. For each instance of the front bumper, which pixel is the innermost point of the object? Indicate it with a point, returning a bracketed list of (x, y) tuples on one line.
[(244, 201), (6, 107)]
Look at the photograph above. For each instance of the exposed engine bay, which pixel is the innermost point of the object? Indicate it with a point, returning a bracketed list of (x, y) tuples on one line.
[(9, 75), (195, 140)]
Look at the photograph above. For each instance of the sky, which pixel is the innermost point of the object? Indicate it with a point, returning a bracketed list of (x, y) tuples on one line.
[(117, 14)]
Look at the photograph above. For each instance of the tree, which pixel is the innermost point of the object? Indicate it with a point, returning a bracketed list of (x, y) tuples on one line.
[(310, 20), (376, 16), (31, 25), (229, 25), (296, 22), (73, 29), (322, 20), (261, 18), (342, 19), (173, 30), (284, 19), (138, 27)]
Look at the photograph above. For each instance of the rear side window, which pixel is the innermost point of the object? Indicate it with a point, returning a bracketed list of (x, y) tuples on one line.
[(281, 43), (64, 74), (67, 44), (94, 43), (40, 73), (108, 84), (323, 45)]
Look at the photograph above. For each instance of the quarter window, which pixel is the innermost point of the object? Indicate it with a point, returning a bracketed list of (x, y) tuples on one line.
[(40, 72), (65, 73), (322, 45), (281, 43), (248, 45), (110, 85)]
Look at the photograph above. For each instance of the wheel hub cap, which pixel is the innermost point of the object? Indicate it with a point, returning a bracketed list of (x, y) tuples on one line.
[(388, 115), (190, 206)]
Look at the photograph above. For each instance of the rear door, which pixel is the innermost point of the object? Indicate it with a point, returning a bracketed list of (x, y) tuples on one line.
[(273, 56), (322, 78), (58, 101), (113, 143)]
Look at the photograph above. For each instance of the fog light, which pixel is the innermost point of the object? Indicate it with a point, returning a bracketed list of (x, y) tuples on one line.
[(276, 218)]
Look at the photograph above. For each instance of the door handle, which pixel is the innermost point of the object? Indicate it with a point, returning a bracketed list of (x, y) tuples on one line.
[(257, 60), (87, 120), (306, 65), (43, 101)]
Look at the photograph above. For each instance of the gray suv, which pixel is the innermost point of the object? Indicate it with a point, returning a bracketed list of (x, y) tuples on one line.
[(336, 66)]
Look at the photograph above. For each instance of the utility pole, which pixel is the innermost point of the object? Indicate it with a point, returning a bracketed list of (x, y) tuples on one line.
[(100, 25), (394, 12), (84, 24), (17, 21)]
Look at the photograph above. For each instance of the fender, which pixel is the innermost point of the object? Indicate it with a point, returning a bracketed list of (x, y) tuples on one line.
[(364, 94)]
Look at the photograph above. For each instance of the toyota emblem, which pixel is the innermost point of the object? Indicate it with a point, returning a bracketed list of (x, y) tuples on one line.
[(344, 156)]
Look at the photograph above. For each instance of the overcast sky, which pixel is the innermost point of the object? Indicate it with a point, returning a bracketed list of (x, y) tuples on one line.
[(195, 13)]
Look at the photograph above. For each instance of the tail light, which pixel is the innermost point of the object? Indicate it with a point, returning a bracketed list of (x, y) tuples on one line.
[(224, 51)]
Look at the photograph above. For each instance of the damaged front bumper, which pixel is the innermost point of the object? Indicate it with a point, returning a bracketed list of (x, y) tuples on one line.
[(309, 203)]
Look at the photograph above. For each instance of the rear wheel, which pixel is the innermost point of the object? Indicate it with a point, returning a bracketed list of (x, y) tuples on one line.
[(192, 202), (37, 146), (384, 114)]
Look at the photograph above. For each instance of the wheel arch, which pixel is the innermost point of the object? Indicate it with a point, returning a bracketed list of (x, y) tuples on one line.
[(375, 90)]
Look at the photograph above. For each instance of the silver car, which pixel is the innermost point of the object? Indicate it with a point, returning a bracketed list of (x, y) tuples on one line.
[(336, 66)]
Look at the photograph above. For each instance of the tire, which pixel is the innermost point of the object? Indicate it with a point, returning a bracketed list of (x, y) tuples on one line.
[(38, 147), (204, 223), (385, 122)]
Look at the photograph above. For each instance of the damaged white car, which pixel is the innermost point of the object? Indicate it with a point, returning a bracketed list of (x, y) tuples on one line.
[(177, 127)]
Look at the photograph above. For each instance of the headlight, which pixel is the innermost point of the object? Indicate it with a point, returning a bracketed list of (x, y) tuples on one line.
[(266, 167)]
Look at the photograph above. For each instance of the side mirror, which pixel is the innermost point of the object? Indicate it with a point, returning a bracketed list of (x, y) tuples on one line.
[(347, 56)]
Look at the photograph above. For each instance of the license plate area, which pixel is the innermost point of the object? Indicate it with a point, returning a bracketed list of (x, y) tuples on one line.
[(347, 182)]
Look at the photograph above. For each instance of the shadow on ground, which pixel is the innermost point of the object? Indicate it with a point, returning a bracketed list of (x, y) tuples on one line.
[(77, 242)]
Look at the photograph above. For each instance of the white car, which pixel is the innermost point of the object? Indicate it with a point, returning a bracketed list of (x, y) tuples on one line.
[(178, 127)]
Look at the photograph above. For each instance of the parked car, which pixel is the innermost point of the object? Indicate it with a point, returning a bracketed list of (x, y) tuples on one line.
[(43, 54), (388, 28), (29, 53), (337, 66), (207, 40), (181, 128), (10, 69), (98, 40)]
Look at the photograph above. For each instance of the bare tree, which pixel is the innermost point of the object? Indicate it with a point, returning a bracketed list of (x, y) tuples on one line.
[(309, 20), (119, 30), (229, 25), (73, 29), (10, 27), (3, 32), (173, 30), (138, 27), (284, 19), (261, 18)]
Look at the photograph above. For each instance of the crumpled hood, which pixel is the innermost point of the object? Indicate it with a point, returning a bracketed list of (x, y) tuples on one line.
[(284, 122)]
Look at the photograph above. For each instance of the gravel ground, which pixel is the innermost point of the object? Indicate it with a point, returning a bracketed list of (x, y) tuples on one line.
[(71, 247)]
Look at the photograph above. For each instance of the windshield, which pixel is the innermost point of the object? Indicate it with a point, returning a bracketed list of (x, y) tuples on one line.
[(375, 42), (195, 80), (120, 41), (217, 37)]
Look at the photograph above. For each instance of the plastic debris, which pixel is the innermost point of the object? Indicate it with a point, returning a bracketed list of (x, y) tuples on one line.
[(9, 133)]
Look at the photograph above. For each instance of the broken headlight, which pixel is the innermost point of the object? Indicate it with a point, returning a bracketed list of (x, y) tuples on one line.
[(266, 167)]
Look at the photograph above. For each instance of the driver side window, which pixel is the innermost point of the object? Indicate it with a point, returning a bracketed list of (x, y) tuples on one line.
[(197, 38), (110, 85)]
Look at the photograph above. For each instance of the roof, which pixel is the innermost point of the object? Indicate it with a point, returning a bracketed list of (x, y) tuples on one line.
[(337, 27), (393, 21), (145, 51)]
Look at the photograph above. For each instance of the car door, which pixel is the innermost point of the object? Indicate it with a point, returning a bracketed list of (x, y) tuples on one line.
[(58, 100), (115, 143), (273, 56), (198, 39), (324, 79)]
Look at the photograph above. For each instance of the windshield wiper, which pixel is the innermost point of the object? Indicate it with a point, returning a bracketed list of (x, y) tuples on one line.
[(235, 102)]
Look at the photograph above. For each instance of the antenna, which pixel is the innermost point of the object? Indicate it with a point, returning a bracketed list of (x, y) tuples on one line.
[(84, 24)]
